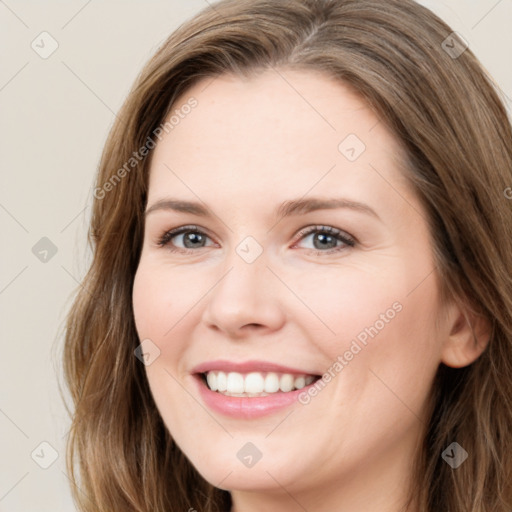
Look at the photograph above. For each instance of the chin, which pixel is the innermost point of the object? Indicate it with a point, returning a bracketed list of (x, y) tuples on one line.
[(232, 474)]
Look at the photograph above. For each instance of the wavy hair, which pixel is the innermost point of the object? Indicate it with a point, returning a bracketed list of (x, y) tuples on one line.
[(447, 113)]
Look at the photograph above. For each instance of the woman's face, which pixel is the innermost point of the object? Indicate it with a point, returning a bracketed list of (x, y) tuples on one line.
[(268, 288)]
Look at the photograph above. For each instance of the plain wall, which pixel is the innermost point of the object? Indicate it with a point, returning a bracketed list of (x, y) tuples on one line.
[(55, 116)]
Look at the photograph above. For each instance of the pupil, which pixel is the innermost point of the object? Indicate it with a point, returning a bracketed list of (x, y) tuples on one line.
[(323, 237), (193, 238)]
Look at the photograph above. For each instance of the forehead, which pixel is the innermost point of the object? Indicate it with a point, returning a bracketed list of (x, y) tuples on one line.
[(280, 130)]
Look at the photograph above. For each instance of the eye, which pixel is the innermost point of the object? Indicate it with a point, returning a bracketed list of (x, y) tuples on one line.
[(192, 238), (325, 239)]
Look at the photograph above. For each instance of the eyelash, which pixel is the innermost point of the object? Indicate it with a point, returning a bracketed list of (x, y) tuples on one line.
[(347, 240)]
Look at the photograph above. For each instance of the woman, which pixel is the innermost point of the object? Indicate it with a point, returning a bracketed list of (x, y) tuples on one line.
[(300, 297)]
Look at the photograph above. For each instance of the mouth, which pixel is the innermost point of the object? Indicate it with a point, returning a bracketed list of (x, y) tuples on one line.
[(250, 389), (255, 384)]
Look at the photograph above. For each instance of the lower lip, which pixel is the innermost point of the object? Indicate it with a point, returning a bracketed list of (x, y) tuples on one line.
[(247, 407)]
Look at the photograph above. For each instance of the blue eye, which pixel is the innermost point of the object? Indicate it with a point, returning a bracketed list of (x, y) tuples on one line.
[(193, 238), (323, 238), (326, 238)]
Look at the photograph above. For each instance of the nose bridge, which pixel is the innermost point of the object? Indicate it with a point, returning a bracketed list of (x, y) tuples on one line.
[(244, 294), (244, 279), (246, 264)]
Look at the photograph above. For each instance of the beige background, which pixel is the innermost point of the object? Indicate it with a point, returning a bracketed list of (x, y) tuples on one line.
[(56, 113)]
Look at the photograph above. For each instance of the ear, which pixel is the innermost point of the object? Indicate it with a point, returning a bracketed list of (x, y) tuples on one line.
[(468, 336)]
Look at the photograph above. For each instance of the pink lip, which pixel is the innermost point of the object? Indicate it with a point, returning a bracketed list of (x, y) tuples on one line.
[(247, 407), (246, 367)]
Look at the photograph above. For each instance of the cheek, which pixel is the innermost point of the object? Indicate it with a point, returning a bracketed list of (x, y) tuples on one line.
[(382, 321), (158, 304), (400, 350), (166, 305), (157, 300), (346, 304), (147, 303)]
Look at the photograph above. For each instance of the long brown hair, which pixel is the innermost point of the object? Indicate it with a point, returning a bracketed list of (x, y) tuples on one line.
[(446, 111)]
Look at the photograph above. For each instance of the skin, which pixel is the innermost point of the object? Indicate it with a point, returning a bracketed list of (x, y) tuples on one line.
[(248, 146)]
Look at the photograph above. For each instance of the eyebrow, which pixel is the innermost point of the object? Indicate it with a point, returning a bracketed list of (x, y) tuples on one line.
[(286, 209)]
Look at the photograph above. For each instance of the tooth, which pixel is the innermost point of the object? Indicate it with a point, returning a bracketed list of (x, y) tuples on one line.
[(309, 380), (235, 382), (254, 383), (271, 383), (286, 382), (211, 378), (300, 382), (222, 382)]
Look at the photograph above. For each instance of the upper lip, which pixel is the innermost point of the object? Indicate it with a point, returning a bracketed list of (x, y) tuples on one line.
[(247, 367)]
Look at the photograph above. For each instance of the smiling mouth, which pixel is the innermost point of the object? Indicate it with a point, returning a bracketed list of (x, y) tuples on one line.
[(255, 384)]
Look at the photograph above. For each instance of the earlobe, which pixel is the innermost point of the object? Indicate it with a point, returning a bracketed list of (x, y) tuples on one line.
[(468, 337)]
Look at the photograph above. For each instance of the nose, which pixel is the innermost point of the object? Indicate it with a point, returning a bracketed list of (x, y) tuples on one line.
[(245, 300)]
